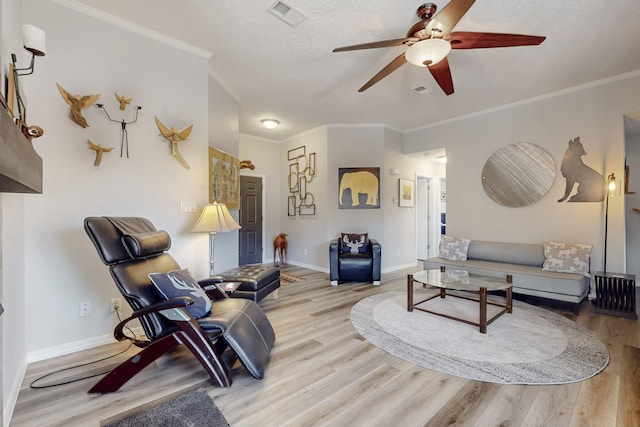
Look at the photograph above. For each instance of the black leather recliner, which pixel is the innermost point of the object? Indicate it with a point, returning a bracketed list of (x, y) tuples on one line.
[(133, 248), (360, 267)]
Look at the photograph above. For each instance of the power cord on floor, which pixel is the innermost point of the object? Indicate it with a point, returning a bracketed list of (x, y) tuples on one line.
[(133, 339)]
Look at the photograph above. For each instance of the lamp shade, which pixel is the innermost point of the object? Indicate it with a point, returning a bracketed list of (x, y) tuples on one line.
[(214, 218), (428, 52), (33, 39)]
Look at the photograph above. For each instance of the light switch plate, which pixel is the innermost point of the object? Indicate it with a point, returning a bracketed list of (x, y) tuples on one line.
[(187, 206)]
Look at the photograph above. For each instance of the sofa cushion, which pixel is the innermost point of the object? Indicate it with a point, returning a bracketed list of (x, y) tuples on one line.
[(354, 243), (567, 257), (513, 253), (179, 283), (454, 248)]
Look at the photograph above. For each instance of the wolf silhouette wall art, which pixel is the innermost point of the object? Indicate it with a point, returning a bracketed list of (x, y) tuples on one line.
[(590, 184)]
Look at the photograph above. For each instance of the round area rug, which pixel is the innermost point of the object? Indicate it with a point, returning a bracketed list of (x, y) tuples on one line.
[(529, 346)]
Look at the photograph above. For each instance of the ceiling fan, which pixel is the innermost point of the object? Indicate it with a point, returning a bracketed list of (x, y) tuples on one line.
[(430, 41)]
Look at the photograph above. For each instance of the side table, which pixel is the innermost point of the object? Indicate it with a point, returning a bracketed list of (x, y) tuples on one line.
[(616, 294)]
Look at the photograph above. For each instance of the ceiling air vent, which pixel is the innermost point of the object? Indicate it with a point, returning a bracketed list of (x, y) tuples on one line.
[(420, 90), (287, 13)]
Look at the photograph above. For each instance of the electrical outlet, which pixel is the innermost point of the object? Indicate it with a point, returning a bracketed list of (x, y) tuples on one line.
[(306, 252), (398, 253), (85, 308), (115, 304)]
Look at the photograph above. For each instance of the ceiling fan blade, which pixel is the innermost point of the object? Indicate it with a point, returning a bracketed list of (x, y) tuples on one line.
[(390, 67), (442, 73), (472, 40), (449, 16), (373, 45)]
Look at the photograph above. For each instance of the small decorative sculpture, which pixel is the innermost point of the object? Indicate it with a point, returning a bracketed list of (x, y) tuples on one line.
[(123, 101), (124, 135), (246, 164), (280, 246), (174, 137), (99, 149), (77, 103)]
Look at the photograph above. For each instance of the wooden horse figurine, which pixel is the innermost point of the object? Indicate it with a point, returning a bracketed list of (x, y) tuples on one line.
[(280, 246)]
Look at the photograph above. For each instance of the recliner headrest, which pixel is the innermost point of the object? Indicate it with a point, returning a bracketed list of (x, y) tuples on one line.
[(140, 245), (120, 239)]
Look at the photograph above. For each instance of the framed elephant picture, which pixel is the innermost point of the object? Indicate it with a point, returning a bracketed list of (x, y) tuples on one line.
[(359, 188)]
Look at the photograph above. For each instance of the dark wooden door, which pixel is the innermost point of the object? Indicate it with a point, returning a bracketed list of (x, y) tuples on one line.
[(250, 220)]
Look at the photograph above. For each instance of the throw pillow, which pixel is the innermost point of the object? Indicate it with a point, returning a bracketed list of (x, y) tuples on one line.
[(567, 257), (354, 243), (179, 283), (454, 248)]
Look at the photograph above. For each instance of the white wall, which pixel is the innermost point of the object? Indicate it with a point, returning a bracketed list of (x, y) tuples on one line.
[(632, 219), (224, 136), (88, 56), (308, 232), (267, 158), (594, 113), (12, 260)]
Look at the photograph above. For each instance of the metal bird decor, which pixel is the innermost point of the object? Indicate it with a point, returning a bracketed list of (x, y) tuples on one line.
[(77, 103), (123, 101), (99, 149), (174, 137)]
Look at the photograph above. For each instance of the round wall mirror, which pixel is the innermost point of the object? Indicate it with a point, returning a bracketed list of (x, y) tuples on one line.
[(518, 174)]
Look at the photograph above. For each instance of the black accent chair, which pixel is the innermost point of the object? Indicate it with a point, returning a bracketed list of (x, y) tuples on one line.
[(360, 267), (133, 248)]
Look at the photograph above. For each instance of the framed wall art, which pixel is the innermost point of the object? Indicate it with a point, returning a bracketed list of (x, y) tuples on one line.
[(406, 193), (302, 170), (359, 188), (224, 179)]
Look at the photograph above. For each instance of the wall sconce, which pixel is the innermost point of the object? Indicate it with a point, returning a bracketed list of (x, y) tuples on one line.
[(394, 171), (33, 39), (270, 123)]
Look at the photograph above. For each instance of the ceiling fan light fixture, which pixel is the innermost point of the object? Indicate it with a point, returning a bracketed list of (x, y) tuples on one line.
[(428, 52), (270, 123)]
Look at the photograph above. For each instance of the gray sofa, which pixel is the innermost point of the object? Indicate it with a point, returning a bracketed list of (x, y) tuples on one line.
[(524, 262)]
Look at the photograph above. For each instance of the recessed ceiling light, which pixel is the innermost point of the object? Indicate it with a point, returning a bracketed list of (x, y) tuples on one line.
[(270, 123), (442, 159)]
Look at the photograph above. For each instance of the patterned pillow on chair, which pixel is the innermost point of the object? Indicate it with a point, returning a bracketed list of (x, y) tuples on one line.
[(179, 283), (354, 243)]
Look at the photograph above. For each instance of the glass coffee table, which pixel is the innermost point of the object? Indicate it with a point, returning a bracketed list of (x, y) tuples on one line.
[(467, 285)]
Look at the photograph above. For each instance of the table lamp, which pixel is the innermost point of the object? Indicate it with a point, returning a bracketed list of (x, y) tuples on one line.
[(213, 219)]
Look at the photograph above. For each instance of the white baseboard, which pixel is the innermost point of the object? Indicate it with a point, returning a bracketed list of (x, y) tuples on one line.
[(12, 398), (72, 347), (400, 267)]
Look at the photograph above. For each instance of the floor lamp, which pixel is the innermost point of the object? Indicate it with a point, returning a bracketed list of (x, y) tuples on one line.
[(611, 186), (213, 219)]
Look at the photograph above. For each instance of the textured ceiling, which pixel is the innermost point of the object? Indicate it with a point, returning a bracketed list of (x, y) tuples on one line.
[(291, 74)]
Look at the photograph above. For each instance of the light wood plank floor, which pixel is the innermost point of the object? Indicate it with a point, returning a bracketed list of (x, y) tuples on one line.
[(322, 373)]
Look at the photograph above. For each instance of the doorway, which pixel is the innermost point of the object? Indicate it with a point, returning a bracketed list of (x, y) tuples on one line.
[(250, 235), (430, 215)]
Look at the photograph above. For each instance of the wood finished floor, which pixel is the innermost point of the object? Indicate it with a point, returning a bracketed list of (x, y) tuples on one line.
[(322, 373)]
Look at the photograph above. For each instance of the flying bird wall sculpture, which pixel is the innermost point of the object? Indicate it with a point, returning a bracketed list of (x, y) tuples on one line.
[(123, 101), (77, 103), (174, 137), (99, 149)]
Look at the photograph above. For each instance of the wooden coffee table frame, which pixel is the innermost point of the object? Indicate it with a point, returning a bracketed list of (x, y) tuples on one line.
[(507, 307)]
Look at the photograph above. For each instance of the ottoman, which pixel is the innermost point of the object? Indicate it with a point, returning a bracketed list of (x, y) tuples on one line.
[(256, 280)]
